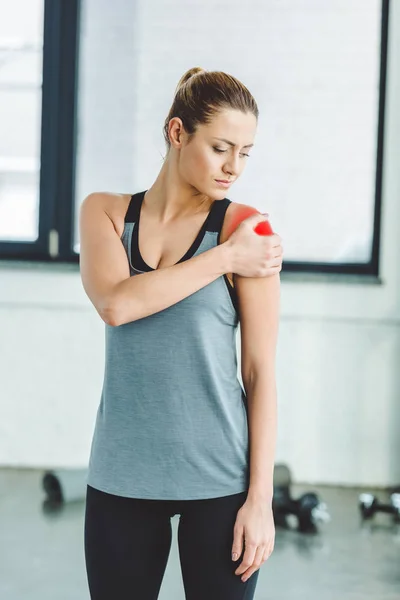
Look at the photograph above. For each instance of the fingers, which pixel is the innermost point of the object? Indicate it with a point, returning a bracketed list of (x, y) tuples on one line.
[(258, 561), (238, 541), (268, 551), (273, 244), (274, 254), (248, 558), (252, 560), (274, 239)]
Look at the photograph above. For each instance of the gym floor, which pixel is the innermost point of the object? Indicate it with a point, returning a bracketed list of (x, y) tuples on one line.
[(41, 552)]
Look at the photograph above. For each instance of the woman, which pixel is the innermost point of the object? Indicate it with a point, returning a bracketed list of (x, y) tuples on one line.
[(170, 273)]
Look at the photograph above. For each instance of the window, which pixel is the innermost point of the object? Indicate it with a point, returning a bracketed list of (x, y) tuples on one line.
[(317, 71), (21, 46), (38, 49)]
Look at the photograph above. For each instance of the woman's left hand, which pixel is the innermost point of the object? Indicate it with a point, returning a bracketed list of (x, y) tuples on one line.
[(255, 528)]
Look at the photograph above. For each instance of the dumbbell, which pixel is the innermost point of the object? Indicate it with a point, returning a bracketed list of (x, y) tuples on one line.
[(64, 485), (369, 505), (281, 495), (308, 509)]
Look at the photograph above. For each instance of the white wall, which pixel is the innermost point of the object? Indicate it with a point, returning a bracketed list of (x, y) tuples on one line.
[(338, 353)]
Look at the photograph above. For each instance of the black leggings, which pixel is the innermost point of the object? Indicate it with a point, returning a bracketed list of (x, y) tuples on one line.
[(128, 540)]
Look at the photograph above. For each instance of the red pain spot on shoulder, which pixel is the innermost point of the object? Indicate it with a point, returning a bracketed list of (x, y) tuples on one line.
[(263, 228), (242, 213)]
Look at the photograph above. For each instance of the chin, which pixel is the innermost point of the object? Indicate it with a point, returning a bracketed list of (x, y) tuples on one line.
[(216, 194), (217, 190)]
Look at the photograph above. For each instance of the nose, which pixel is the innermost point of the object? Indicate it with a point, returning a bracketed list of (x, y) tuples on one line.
[(232, 166)]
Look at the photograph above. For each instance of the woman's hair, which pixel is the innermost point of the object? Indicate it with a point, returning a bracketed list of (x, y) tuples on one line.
[(200, 94)]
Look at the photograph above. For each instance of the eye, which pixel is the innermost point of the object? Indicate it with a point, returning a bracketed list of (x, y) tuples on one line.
[(219, 151)]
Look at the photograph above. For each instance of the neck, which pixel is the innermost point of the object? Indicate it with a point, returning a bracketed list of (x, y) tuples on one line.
[(170, 197)]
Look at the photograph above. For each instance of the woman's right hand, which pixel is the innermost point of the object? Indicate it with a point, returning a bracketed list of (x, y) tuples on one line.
[(254, 255)]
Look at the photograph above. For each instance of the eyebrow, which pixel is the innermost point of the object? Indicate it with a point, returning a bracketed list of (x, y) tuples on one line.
[(231, 143)]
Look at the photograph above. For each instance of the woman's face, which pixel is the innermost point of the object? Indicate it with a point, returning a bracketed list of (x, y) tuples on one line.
[(209, 156)]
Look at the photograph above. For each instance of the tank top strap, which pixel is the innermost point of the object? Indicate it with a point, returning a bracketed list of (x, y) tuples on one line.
[(217, 215), (214, 221), (135, 202)]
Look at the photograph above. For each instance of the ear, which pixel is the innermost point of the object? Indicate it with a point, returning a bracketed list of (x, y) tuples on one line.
[(176, 131)]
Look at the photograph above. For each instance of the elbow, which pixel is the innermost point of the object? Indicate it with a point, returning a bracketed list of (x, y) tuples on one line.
[(110, 318), (248, 375), (116, 311), (110, 314), (259, 375)]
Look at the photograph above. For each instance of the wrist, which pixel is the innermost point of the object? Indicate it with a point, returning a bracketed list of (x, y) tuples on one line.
[(226, 257), (263, 496)]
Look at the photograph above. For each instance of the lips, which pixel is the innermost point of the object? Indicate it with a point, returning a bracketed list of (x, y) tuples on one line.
[(222, 181)]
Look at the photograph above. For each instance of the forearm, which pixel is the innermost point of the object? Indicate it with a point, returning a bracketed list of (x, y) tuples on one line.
[(148, 293), (262, 409)]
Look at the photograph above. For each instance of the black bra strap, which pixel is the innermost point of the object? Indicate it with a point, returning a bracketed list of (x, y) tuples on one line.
[(214, 222), (132, 213), (217, 215)]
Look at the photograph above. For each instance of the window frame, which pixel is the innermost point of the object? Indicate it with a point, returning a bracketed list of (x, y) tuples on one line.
[(58, 140), (58, 150)]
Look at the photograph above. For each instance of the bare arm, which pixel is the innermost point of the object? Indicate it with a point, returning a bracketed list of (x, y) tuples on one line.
[(149, 293), (259, 302), (120, 298)]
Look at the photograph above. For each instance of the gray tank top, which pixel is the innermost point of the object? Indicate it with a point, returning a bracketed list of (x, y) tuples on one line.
[(172, 422)]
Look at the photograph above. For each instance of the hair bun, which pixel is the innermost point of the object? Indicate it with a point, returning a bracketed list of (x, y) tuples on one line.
[(188, 75)]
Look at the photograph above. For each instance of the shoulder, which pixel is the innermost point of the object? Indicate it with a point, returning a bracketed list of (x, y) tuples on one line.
[(235, 214), (113, 204), (105, 199)]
